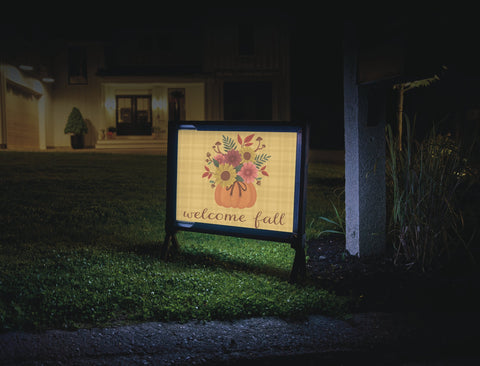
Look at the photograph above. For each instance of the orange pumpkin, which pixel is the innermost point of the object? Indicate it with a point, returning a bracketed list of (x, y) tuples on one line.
[(238, 195)]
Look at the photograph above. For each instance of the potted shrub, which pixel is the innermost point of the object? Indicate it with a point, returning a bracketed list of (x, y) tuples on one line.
[(77, 127), (112, 133)]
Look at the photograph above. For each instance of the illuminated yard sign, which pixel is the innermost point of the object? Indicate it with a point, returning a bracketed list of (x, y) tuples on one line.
[(238, 178)]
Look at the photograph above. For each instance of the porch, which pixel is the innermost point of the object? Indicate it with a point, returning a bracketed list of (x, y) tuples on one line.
[(131, 143)]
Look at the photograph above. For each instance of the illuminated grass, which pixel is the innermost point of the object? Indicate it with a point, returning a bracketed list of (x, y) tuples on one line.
[(80, 240)]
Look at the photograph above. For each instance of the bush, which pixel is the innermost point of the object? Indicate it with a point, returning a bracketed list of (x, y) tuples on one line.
[(76, 124), (425, 180)]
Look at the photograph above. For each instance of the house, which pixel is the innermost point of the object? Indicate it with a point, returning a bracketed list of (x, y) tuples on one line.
[(137, 79)]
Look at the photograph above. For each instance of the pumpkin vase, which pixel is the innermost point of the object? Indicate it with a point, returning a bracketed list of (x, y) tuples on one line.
[(238, 195)]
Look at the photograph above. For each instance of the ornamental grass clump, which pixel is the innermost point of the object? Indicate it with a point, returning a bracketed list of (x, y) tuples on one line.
[(425, 181)]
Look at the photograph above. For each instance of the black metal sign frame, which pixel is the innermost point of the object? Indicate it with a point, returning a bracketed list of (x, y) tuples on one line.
[(296, 237)]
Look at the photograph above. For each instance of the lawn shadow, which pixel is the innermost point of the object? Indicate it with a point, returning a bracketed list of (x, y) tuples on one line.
[(228, 263), (213, 260)]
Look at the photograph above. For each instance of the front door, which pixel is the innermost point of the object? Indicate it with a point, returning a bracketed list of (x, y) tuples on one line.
[(134, 115)]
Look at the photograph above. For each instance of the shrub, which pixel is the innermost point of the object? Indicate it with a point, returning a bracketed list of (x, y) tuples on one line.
[(425, 180), (75, 123)]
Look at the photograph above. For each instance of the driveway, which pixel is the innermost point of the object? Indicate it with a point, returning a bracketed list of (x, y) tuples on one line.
[(364, 339)]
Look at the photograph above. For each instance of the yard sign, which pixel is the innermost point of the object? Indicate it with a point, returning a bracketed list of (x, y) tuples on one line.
[(238, 178)]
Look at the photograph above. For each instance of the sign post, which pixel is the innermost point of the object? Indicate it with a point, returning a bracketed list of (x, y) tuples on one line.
[(245, 179)]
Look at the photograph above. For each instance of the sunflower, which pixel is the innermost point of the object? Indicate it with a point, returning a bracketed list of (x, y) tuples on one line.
[(225, 175), (247, 154)]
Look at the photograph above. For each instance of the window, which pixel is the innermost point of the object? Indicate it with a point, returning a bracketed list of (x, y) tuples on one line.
[(134, 115), (77, 65)]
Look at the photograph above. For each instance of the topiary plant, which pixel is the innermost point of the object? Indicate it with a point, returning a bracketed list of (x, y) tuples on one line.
[(76, 124)]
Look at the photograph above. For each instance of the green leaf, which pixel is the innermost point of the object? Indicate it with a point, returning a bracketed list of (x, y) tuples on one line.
[(228, 143), (216, 163), (329, 220), (239, 178), (261, 159), (330, 232)]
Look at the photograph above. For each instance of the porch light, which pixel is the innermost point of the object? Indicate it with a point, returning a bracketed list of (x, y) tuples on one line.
[(110, 103), (158, 103), (26, 67)]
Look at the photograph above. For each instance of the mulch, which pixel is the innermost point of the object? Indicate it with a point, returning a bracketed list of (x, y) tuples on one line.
[(381, 285)]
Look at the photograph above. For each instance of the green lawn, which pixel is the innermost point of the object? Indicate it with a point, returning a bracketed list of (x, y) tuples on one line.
[(79, 246)]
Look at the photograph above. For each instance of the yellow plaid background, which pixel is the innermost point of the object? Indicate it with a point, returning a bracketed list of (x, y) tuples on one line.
[(274, 195)]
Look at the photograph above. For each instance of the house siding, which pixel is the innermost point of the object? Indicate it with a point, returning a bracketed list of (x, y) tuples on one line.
[(201, 62), (269, 62), (87, 98), (25, 107), (21, 118)]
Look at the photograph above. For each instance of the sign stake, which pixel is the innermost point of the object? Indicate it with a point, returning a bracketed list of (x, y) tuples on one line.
[(169, 238)]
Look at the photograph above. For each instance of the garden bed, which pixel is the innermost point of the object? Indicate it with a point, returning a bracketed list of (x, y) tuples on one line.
[(380, 285)]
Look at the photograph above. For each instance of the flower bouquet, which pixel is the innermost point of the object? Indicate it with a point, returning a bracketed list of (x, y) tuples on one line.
[(234, 168)]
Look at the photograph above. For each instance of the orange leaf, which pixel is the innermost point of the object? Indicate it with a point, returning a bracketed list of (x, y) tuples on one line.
[(206, 168), (249, 144), (205, 174), (239, 139), (265, 173), (248, 138), (263, 167)]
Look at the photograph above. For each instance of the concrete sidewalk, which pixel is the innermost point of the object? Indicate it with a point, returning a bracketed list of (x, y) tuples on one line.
[(365, 339)]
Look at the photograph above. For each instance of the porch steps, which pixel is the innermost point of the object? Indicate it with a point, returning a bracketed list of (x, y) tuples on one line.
[(134, 143)]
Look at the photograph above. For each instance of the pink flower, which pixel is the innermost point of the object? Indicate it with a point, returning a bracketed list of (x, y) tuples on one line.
[(248, 172), (233, 158), (220, 158)]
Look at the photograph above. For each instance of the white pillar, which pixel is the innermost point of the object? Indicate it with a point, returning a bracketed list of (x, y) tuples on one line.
[(365, 204)]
